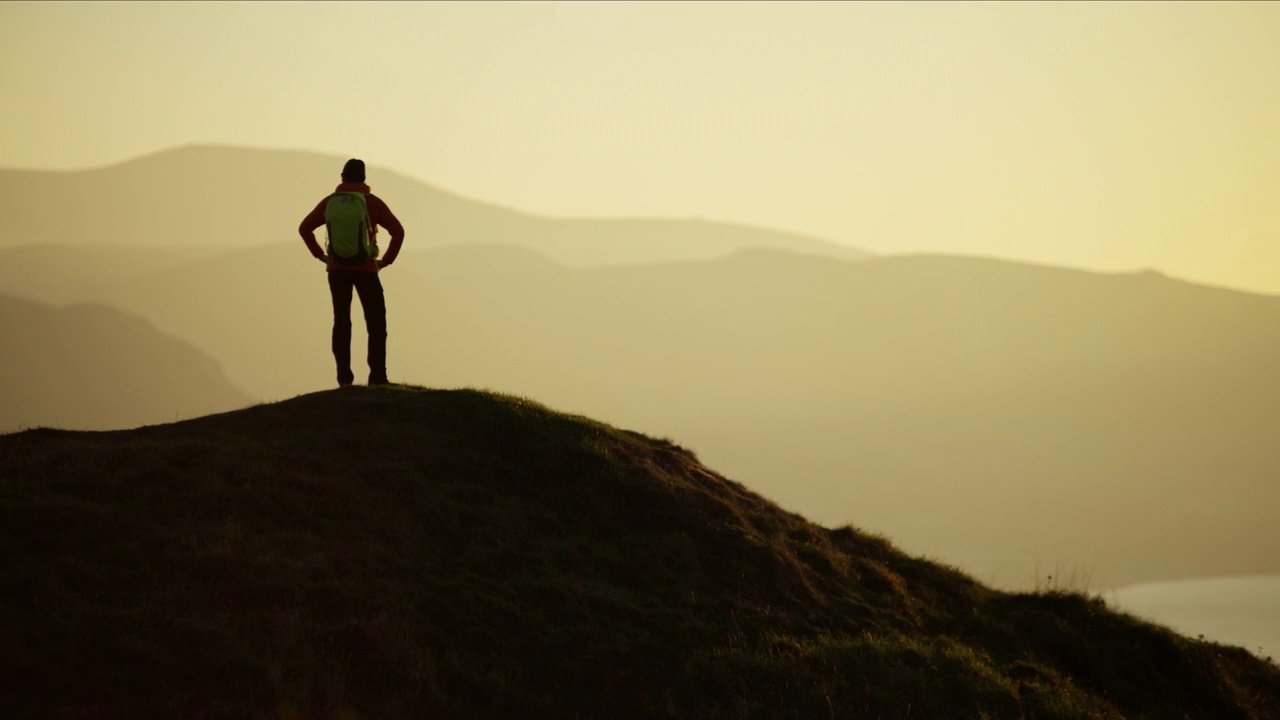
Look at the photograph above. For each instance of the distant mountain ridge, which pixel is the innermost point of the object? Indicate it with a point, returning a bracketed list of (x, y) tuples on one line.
[(91, 367), (990, 413), (213, 196)]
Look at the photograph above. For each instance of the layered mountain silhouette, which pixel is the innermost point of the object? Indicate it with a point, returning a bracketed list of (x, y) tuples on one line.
[(211, 196), (94, 367), (999, 416), (58, 273), (473, 555)]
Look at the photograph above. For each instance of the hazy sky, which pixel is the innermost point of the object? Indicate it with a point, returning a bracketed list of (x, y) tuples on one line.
[(1110, 136)]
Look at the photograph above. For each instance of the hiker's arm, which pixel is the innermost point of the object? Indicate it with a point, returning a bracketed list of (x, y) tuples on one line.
[(308, 230), (387, 220)]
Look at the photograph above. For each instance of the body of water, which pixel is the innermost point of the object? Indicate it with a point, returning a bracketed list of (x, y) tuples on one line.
[(1243, 611)]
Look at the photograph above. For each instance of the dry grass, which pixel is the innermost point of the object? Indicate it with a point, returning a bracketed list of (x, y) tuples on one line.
[(400, 552)]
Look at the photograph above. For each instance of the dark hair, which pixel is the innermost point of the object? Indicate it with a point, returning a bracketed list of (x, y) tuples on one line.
[(353, 171)]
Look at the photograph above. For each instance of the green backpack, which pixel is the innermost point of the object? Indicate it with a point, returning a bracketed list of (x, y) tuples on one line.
[(346, 218)]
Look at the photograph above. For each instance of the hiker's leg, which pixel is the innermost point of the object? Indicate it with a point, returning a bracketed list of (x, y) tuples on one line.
[(375, 321), (340, 283)]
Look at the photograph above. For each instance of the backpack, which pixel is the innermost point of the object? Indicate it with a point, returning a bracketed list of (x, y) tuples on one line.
[(346, 217)]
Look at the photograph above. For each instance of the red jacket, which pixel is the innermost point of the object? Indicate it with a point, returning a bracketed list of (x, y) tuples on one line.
[(379, 214)]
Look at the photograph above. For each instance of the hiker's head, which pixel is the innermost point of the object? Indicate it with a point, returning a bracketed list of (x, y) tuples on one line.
[(353, 171)]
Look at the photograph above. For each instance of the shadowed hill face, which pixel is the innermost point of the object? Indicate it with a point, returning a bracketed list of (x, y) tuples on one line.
[(223, 197), (93, 367), (398, 552), (996, 414), (60, 274)]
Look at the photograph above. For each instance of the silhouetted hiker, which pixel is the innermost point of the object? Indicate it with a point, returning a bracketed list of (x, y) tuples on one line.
[(352, 216)]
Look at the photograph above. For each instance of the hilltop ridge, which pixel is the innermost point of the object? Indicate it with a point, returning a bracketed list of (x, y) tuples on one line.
[(406, 552)]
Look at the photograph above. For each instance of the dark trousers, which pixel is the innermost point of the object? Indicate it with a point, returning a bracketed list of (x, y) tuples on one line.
[(369, 287)]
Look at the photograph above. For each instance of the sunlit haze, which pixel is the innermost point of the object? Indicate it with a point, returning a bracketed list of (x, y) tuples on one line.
[(1112, 136), (997, 282)]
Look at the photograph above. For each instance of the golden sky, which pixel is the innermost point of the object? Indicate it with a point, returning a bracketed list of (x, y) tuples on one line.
[(1112, 136)]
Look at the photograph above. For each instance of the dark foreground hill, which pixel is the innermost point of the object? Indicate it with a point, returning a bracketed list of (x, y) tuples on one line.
[(396, 553)]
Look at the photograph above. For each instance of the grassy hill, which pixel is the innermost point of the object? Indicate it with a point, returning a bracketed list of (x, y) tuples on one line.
[(400, 552)]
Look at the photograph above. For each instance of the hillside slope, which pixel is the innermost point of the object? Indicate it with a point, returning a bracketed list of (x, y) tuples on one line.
[(390, 553), (92, 367), (992, 413)]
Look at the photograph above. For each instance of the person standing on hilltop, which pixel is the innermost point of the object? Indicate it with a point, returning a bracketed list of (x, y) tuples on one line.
[(352, 215)]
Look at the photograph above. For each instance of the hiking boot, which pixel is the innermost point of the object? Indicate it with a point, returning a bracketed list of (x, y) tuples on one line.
[(378, 380), (345, 378)]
